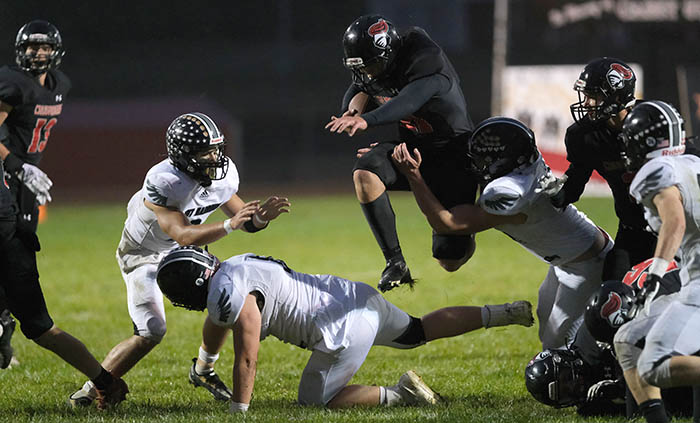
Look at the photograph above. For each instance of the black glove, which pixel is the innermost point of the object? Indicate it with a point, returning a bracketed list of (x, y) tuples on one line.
[(645, 295)]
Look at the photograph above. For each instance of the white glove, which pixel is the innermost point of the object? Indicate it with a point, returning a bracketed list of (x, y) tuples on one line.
[(550, 184), (37, 182), (596, 390)]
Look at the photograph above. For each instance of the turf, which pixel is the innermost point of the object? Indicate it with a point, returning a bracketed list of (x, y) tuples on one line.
[(480, 374)]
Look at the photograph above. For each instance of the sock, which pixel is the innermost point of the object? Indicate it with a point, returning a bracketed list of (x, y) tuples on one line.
[(390, 395), (654, 411), (382, 220), (209, 359), (103, 380)]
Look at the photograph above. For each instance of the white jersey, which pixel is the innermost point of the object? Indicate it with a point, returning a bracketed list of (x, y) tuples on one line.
[(310, 311), (555, 236), (167, 186), (683, 172)]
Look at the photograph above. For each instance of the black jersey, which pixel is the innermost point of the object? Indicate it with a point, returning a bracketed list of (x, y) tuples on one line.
[(7, 202), (592, 147), (444, 115), (35, 110)]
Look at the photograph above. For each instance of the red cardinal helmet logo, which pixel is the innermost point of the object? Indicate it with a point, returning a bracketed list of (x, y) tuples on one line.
[(379, 32), (611, 310), (618, 74)]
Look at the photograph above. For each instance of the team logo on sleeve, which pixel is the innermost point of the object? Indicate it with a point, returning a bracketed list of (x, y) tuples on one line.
[(154, 196), (224, 306), (618, 74), (611, 310), (379, 32), (502, 202)]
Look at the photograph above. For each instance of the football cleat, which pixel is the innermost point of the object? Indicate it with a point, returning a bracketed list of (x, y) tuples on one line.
[(395, 273), (84, 396), (211, 382), (414, 391), (114, 394), (8, 328), (515, 313)]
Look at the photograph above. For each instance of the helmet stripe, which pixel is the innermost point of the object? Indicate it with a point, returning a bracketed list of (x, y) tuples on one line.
[(674, 122), (211, 126)]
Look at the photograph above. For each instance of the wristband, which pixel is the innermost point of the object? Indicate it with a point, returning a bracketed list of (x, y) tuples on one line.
[(227, 226), (658, 266), (238, 407), (13, 164), (258, 221)]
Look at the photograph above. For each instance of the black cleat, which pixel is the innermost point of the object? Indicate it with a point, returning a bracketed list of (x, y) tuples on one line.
[(395, 273), (211, 382), (8, 327)]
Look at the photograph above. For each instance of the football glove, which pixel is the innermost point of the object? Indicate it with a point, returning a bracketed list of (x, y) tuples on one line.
[(37, 182), (645, 295), (605, 389), (551, 186)]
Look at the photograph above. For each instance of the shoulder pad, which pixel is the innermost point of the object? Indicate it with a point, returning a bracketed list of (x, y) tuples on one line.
[(502, 197), (654, 176), (159, 188), (10, 88)]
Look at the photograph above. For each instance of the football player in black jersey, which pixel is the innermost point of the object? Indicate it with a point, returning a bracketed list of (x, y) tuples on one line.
[(31, 98), (606, 94), (587, 374), (19, 283), (404, 77)]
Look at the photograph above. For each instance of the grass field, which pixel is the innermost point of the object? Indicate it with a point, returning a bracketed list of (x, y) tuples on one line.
[(480, 374)]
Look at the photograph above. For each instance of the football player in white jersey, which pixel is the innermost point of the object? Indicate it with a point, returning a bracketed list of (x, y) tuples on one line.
[(177, 197), (667, 184), (505, 157), (338, 320)]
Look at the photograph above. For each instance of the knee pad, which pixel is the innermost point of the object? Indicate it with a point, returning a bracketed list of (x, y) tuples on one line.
[(627, 355), (658, 373), (414, 335), (154, 331), (453, 247)]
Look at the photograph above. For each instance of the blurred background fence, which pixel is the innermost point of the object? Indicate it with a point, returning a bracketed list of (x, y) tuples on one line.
[(270, 73)]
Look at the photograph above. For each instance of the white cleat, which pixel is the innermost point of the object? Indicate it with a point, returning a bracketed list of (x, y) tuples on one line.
[(84, 396), (414, 391)]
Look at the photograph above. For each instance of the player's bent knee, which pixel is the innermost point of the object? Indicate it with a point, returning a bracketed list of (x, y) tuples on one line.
[(451, 265), (365, 178), (154, 331), (627, 355), (658, 373)]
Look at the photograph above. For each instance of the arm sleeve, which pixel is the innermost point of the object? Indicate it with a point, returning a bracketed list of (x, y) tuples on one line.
[(347, 98), (578, 173), (411, 98), (10, 93)]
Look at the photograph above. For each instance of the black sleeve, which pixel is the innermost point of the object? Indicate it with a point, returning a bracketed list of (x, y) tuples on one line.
[(349, 94), (10, 93), (411, 98), (578, 172)]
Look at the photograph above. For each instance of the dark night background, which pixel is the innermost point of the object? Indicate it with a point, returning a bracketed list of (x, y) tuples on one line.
[(270, 73)]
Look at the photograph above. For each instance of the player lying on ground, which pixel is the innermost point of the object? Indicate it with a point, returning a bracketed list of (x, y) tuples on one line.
[(338, 320), (586, 374), (505, 157)]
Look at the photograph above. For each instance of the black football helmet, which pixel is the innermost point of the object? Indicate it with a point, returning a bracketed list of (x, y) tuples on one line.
[(608, 310), (556, 377), (189, 140), (608, 80), (370, 45), (38, 32), (652, 129), (184, 275), (500, 145)]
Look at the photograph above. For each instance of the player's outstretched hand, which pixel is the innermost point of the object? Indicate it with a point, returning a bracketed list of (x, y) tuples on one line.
[(350, 124), (364, 150), (405, 162), (551, 186), (245, 214), (272, 208), (37, 182)]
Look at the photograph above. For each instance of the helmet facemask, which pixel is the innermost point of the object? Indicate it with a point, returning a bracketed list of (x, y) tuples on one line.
[(38, 34)]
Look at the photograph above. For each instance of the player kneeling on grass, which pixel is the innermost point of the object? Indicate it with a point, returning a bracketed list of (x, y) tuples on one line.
[(337, 319)]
